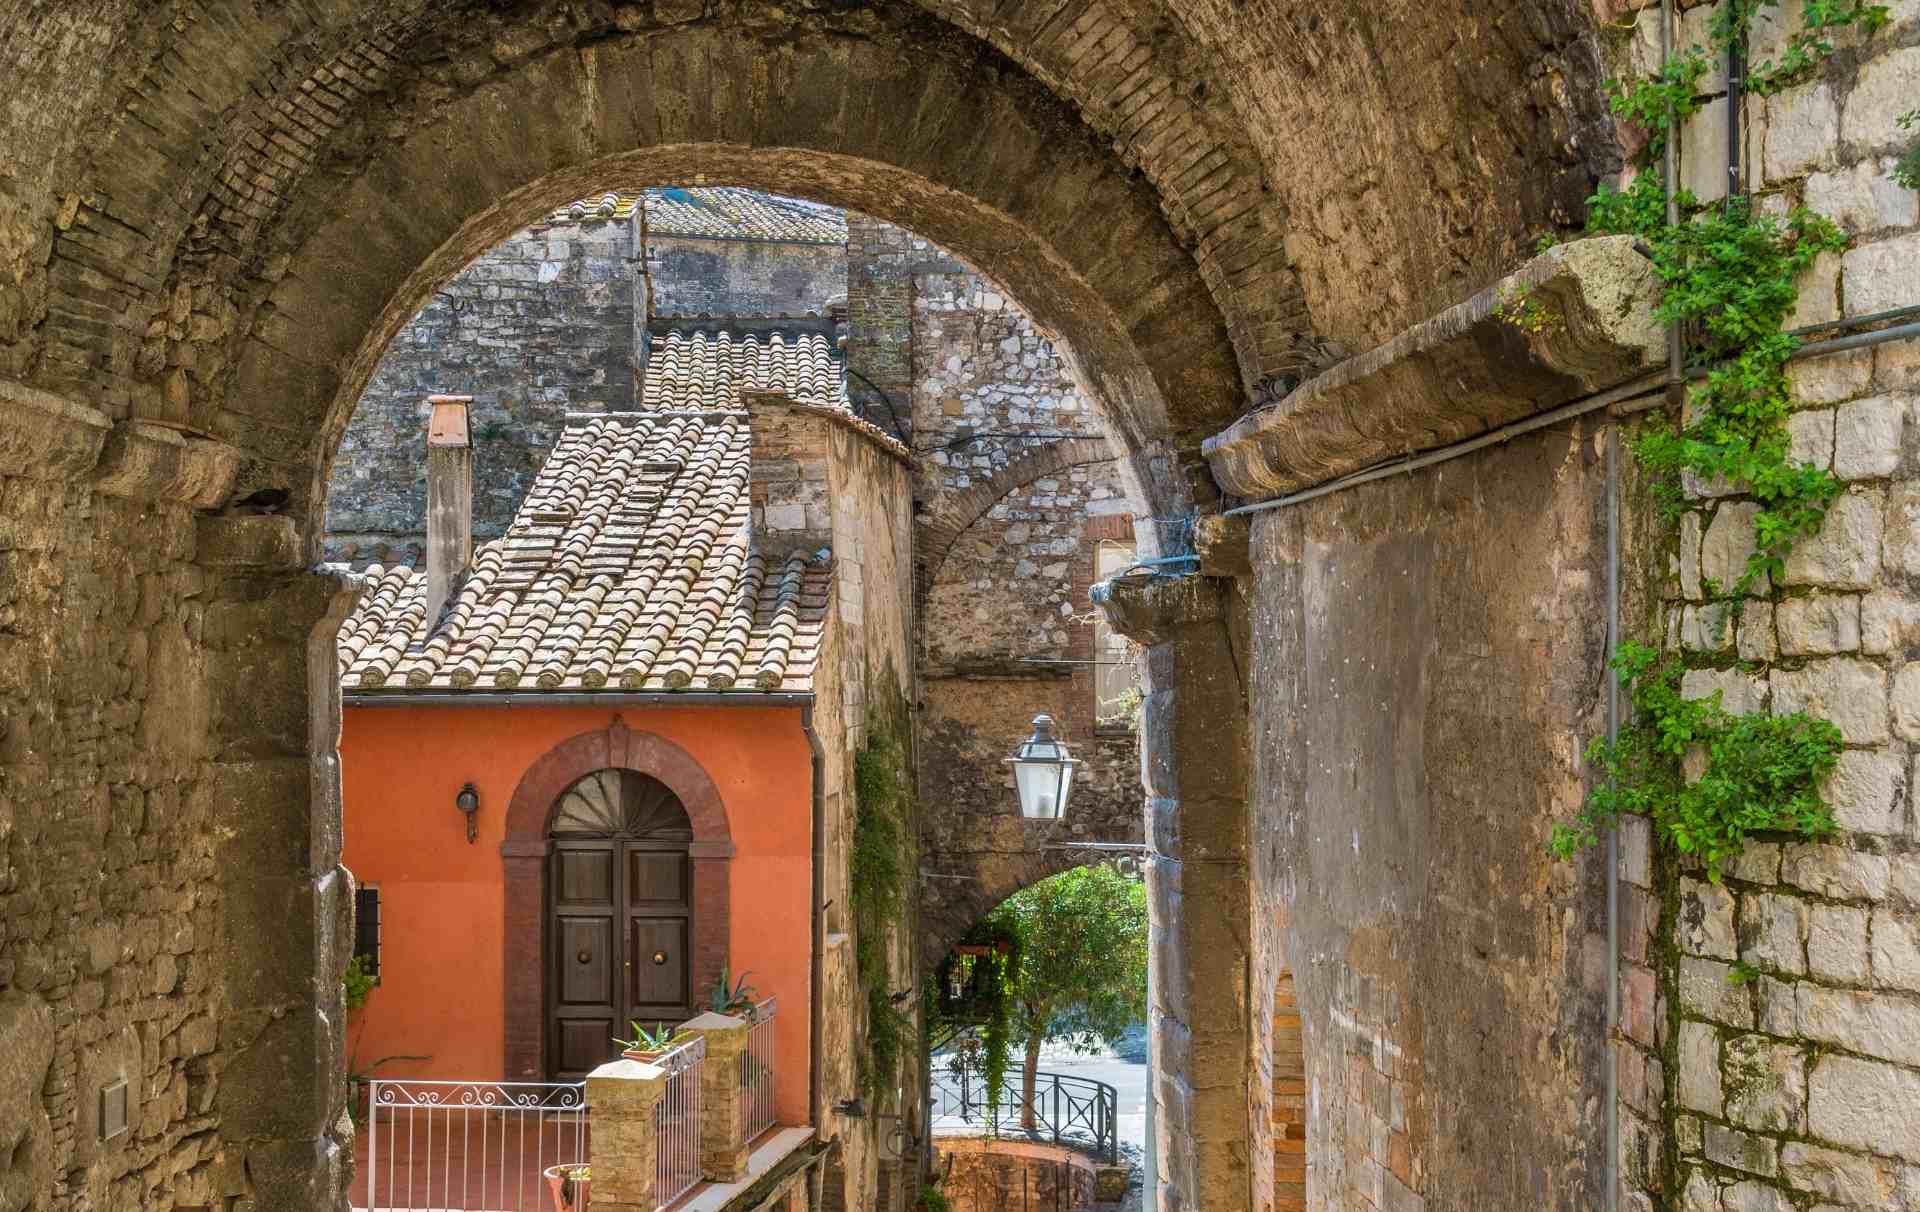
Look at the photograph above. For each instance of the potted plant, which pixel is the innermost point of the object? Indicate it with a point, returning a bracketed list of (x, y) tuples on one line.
[(932, 1199), (568, 1183), (647, 1045), (733, 997)]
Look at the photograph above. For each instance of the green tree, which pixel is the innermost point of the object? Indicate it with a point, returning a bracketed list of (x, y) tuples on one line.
[(1083, 963)]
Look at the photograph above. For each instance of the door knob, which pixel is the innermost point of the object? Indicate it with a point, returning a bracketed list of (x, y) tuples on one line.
[(659, 957), (583, 956)]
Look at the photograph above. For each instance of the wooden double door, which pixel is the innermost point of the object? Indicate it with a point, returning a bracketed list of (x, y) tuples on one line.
[(619, 945)]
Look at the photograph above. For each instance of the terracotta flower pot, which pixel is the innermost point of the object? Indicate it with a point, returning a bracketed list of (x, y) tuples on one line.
[(645, 1056), (569, 1193)]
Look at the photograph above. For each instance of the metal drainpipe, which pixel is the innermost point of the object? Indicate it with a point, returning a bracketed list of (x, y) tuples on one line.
[(1613, 834), (816, 970)]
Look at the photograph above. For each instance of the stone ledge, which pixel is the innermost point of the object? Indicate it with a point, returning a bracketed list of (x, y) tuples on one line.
[(1458, 374), (48, 437), (156, 462)]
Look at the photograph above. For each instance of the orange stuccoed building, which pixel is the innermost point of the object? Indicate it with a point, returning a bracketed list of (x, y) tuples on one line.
[(593, 765)]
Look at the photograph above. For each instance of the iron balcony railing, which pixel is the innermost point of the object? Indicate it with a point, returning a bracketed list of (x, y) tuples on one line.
[(757, 1073), (1077, 1112), (677, 1120), (467, 1145)]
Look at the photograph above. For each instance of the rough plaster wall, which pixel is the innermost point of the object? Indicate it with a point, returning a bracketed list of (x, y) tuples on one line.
[(1426, 664), (537, 327), (744, 277), (1801, 1087)]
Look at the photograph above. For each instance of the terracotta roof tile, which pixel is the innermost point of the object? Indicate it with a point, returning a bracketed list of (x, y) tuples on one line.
[(704, 369), (715, 213), (628, 566)]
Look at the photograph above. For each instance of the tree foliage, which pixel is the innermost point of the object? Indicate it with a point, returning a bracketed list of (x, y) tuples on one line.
[(1082, 959)]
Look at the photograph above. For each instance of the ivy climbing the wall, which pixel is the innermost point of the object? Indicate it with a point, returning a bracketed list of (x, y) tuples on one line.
[(883, 803), (1708, 778)]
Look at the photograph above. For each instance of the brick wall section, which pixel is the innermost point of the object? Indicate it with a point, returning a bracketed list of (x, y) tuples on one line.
[(539, 326), (1289, 1113), (1799, 1087)]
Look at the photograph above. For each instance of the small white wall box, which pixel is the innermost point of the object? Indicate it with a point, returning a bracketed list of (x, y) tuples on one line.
[(113, 1109)]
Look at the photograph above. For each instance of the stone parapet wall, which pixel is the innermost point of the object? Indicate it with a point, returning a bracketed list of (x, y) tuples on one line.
[(978, 1175)]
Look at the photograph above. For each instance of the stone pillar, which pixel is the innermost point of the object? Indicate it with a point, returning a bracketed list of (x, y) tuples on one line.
[(1194, 761), (624, 1097), (723, 1112)]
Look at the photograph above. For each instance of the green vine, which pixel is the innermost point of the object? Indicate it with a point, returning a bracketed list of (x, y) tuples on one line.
[(358, 982), (1705, 777), (996, 1037), (1727, 278), (1761, 772), (882, 772), (1906, 169)]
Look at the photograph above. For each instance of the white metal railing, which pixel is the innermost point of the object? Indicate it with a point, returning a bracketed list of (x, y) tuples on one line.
[(757, 1073), (677, 1120), (468, 1145)]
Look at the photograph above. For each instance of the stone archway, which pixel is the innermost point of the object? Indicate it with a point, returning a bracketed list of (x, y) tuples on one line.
[(524, 858), (236, 204)]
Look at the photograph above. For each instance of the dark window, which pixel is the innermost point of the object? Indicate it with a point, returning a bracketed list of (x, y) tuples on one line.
[(366, 927)]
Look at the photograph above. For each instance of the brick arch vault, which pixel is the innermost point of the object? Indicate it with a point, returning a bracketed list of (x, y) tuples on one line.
[(227, 209)]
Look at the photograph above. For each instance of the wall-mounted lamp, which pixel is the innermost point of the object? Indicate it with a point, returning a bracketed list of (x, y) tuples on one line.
[(1043, 773), (468, 802)]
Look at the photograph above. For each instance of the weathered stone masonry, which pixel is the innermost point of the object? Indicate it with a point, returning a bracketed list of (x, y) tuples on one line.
[(222, 212)]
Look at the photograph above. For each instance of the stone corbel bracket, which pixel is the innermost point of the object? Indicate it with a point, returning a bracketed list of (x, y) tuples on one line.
[(1149, 610), (1575, 320), (46, 437)]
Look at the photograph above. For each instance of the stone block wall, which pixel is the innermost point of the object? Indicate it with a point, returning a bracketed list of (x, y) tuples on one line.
[(1773, 1019), (540, 325)]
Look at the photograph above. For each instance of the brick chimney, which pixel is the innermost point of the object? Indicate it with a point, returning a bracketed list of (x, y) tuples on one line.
[(789, 491), (449, 499)]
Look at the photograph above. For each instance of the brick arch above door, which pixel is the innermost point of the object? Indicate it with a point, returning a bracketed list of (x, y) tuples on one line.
[(523, 857)]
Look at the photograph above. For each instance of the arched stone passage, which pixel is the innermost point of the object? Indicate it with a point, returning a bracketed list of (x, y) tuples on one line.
[(938, 532), (524, 856), (226, 199)]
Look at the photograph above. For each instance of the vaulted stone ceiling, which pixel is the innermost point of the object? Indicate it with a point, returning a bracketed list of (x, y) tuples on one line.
[(1195, 195)]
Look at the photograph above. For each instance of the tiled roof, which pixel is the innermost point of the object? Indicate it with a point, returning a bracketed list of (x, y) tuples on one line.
[(695, 369), (716, 213), (628, 567)]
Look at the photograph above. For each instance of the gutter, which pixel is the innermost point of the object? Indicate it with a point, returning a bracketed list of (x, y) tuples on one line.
[(817, 967), (583, 698)]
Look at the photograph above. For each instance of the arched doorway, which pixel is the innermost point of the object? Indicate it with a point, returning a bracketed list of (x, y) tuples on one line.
[(607, 791), (619, 915)]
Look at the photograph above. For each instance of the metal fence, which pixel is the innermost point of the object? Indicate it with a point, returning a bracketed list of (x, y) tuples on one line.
[(677, 1120), (757, 1073), (467, 1145), (1074, 1111)]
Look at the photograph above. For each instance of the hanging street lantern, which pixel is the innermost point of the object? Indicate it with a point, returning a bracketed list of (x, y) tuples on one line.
[(1043, 773)]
